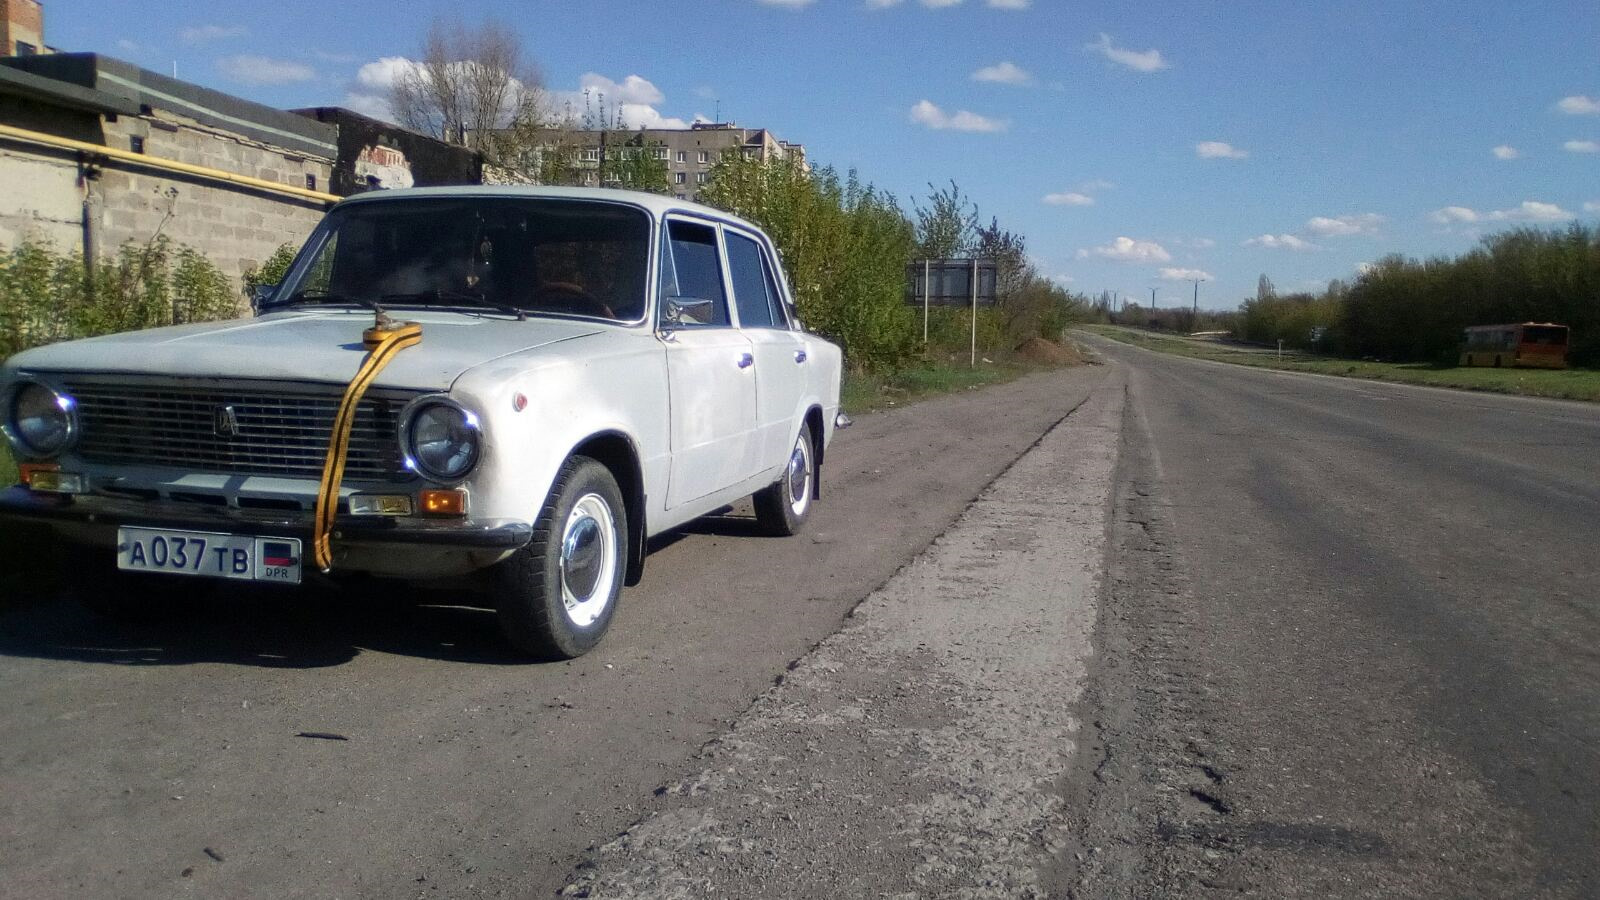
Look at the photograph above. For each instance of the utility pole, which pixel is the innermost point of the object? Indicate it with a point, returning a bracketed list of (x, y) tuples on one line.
[(1153, 306), (1197, 298)]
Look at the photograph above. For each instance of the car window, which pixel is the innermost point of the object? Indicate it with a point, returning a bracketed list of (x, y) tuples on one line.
[(779, 306), (561, 257), (691, 270), (751, 293)]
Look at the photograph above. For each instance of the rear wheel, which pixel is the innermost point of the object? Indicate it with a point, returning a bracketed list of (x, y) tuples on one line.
[(783, 506), (556, 596)]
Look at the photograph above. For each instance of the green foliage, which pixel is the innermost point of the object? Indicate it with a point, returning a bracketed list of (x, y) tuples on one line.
[(272, 270), (48, 296), (1410, 310), (1302, 321), (948, 226)]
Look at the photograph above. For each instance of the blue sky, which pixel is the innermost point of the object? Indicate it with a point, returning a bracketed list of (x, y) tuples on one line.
[(1134, 144)]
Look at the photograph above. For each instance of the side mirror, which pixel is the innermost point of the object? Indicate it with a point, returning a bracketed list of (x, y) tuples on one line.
[(261, 295), (676, 310)]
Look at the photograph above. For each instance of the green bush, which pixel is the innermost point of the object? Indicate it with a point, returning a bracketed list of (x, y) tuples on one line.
[(272, 270), (48, 296)]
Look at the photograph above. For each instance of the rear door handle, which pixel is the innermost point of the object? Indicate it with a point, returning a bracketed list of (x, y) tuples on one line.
[(799, 356), (746, 360)]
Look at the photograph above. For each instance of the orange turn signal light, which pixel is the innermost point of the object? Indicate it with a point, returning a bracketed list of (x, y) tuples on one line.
[(26, 471), (444, 503)]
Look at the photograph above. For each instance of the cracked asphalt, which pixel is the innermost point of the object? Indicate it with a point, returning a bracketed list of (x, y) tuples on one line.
[(1348, 643)]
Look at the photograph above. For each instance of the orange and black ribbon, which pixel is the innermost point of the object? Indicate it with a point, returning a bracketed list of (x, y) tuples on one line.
[(383, 341)]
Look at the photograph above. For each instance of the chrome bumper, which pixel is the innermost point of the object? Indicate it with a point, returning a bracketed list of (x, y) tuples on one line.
[(20, 504)]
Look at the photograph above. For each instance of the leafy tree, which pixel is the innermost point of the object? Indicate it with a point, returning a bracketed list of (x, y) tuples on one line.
[(948, 226)]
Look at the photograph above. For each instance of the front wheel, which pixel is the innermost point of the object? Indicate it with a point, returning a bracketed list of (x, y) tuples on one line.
[(783, 506), (557, 595)]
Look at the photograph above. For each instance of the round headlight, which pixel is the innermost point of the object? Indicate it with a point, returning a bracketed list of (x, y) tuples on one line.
[(442, 440), (40, 421)]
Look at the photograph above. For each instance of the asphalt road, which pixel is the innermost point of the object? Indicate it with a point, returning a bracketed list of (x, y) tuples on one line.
[(1349, 643), (170, 761)]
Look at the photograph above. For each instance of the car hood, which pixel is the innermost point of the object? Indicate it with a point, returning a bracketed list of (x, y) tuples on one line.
[(307, 345)]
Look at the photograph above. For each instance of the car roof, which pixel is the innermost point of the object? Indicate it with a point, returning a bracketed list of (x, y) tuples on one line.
[(656, 204)]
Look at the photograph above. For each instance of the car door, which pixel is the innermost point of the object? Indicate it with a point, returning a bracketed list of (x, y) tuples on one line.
[(710, 367), (781, 355)]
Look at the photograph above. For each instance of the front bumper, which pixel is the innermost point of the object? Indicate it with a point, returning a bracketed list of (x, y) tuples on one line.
[(102, 515)]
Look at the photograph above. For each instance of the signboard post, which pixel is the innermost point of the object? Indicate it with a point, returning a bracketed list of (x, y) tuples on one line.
[(952, 282)]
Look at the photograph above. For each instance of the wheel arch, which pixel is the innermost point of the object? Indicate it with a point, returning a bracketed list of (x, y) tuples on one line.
[(618, 453), (813, 418)]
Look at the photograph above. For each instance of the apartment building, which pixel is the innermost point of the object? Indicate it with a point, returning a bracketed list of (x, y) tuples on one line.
[(22, 28), (688, 153)]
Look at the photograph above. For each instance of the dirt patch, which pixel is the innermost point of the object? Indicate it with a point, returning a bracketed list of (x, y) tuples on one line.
[(1045, 352)]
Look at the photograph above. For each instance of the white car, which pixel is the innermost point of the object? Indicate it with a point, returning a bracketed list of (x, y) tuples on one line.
[(595, 367)]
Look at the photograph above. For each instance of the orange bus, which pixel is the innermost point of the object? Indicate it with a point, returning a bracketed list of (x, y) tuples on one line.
[(1535, 345)]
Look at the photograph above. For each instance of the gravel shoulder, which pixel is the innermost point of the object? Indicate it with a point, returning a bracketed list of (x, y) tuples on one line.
[(920, 751)]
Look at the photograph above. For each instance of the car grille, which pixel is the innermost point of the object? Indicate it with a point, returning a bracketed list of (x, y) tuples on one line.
[(280, 430)]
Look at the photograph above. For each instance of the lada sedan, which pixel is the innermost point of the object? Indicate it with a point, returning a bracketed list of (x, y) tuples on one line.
[(527, 381)]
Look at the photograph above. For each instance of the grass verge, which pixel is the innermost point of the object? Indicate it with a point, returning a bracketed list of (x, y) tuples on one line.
[(864, 393), (1566, 384)]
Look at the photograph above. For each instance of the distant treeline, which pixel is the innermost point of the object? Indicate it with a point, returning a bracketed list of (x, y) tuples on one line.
[(1406, 310)]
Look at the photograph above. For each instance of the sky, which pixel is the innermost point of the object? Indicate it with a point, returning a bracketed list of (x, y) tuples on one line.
[(1137, 146)]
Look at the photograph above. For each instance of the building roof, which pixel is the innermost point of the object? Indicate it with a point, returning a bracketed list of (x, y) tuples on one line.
[(19, 83), (144, 88)]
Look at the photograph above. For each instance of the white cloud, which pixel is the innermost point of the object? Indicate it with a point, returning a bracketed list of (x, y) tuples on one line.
[(927, 114), (1344, 226), (1592, 206), (1579, 105), (632, 89), (1009, 4), (940, 4), (373, 105), (1069, 198), (787, 4), (1526, 211), (261, 70), (201, 34), (1169, 274), (1202, 243), (1366, 268), (1003, 73), (1280, 242), (882, 4), (1218, 150), (1148, 61), (1126, 249), (1581, 146), (1454, 215), (1505, 151), (382, 74), (1096, 184)]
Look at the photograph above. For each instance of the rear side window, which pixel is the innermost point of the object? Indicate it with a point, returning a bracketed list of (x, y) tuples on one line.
[(751, 290), (691, 273)]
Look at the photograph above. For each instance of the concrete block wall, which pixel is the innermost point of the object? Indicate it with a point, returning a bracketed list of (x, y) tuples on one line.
[(234, 226), (43, 200)]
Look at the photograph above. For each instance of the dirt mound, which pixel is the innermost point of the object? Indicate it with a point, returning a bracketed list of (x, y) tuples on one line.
[(1050, 353)]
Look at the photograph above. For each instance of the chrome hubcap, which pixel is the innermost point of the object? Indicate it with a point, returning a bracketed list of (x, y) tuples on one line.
[(588, 559), (799, 476)]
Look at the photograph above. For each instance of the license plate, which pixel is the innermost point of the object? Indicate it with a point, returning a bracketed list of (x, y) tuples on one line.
[(209, 554)]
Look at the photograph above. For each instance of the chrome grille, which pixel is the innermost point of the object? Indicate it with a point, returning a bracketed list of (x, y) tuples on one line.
[(281, 429)]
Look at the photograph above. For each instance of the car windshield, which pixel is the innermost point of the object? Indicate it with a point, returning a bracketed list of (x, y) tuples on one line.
[(538, 256)]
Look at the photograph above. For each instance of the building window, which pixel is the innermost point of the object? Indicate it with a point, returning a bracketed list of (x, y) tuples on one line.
[(679, 177), (683, 156), (700, 177), (26, 49), (136, 144), (679, 196), (591, 155), (661, 153), (311, 182), (749, 153), (705, 157)]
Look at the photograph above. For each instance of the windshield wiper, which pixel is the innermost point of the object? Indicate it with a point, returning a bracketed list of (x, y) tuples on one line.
[(441, 296), (317, 295)]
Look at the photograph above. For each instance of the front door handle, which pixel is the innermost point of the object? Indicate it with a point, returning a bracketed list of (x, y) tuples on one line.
[(799, 356), (746, 360)]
